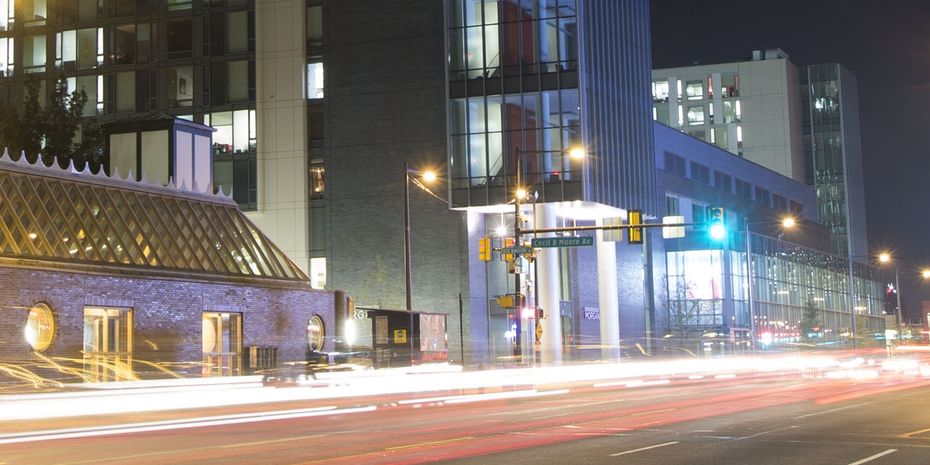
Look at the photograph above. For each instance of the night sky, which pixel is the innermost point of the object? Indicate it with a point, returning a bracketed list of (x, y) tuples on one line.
[(886, 44)]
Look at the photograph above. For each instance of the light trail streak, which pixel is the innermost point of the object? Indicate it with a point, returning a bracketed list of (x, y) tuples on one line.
[(175, 394), (73, 433)]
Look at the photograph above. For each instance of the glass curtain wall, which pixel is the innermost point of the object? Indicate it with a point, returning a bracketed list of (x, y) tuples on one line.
[(789, 280), (800, 295), (513, 80), (824, 144)]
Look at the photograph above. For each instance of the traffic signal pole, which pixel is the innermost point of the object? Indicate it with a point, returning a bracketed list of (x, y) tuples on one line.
[(517, 318)]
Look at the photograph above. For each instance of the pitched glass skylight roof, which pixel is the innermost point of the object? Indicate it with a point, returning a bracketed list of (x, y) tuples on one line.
[(61, 216)]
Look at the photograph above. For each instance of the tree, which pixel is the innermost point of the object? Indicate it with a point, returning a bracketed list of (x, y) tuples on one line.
[(810, 319), (57, 131)]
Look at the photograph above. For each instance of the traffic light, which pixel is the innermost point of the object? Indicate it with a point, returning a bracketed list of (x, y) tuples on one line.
[(511, 300), (635, 218), (484, 249), (717, 226)]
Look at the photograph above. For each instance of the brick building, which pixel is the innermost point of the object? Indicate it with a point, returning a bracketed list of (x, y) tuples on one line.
[(118, 278)]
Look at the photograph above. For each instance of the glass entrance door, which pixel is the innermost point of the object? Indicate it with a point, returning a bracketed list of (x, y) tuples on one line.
[(108, 344), (222, 343)]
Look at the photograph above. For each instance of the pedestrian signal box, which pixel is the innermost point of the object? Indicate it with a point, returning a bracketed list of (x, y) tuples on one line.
[(635, 218)]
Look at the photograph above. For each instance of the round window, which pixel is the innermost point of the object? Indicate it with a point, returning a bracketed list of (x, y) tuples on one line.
[(40, 327), (315, 333)]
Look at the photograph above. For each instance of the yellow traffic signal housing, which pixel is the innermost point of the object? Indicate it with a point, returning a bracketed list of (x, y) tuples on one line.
[(635, 218), (484, 249), (510, 300)]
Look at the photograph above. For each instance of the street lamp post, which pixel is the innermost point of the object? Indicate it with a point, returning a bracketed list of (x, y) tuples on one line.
[(407, 265), (886, 258), (408, 268)]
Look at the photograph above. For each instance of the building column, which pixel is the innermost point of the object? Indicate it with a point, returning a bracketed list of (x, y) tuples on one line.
[(608, 296), (548, 286), (281, 110)]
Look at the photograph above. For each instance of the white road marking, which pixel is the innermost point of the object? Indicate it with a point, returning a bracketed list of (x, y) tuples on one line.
[(830, 411), (649, 447), (873, 457)]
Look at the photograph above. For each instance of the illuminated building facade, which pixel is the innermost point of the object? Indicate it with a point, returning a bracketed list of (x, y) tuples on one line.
[(793, 270), (802, 122), (117, 279)]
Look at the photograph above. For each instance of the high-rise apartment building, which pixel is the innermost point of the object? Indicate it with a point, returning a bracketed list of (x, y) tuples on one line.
[(801, 122)]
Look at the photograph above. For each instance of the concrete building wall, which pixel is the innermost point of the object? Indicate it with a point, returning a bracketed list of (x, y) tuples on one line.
[(770, 113), (166, 314), (769, 99), (281, 111), (852, 152)]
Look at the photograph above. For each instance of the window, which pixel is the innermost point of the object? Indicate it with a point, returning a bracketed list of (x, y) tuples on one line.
[(34, 54), (124, 44), (694, 90), (314, 25), (700, 173), (315, 122), (93, 87), (660, 91), (698, 213), (125, 91), (318, 273), (315, 80), (35, 12), (237, 30), (796, 207), (779, 202), (180, 38), (696, 115), (237, 81), (7, 14), (763, 196), (744, 189), (180, 86), (40, 327), (672, 205), (729, 86), (317, 180), (315, 333), (723, 181), (6, 56), (179, 5), (235, 131), (674, 164), (730, 113), (234, 147)]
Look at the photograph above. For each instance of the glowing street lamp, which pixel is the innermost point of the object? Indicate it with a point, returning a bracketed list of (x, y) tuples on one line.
[(885, 258)]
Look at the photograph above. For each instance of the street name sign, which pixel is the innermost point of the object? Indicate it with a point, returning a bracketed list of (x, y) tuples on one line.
[(579, 241), (517, 250)]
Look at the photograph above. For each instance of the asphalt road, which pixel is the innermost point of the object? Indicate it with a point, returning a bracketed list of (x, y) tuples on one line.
[(747, 419)]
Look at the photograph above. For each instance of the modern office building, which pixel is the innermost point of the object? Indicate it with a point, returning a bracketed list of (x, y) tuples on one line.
[(802, 122), (792, 269)]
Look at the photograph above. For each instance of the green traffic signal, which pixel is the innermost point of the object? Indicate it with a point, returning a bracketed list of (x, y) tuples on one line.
[(717, 227)]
